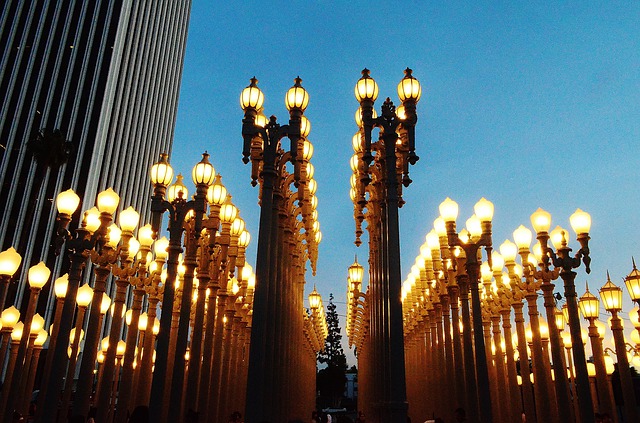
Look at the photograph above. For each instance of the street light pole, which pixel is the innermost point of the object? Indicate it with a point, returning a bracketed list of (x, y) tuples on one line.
[(612, 299), (476, 235), (178, 207), (581, 223), (79, 248), (393, 405), (266, 139)]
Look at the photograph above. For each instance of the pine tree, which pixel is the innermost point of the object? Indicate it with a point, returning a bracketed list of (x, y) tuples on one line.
[(331, 379)]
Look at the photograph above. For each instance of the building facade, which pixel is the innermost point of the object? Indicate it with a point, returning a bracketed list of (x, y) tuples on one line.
[(99, 80)]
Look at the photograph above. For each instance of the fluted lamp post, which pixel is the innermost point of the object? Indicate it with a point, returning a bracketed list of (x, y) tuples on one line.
[(38, 276), (590, 308), (561, 258), (83, 299), (178, 207), (612, 299), (476, 235), (263, 147), (89, 236), (395, 152)]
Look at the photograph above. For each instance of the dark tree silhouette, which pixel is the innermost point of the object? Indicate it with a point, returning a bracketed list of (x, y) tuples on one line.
[(331, 379), (50, 148)]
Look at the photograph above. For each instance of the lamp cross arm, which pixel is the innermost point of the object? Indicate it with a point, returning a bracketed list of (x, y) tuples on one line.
[(104, 258)]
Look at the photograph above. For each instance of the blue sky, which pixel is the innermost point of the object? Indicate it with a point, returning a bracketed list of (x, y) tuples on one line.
[(528, 105)]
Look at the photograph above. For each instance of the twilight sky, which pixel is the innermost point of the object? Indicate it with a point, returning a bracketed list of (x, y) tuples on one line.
[(527, 105)]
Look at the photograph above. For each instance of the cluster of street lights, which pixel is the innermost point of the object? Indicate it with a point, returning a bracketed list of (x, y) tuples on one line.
[(202, 333), (478, 363), (183, 345), (288, 237), (380, 170)]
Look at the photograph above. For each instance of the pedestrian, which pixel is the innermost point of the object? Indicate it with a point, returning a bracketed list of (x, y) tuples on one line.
[(140, 414)]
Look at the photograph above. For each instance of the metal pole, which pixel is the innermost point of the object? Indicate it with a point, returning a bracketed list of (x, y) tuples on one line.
[(469, 359), (256, 383), (484, 396), (396, 404), (630, 407), (579, 359), (91, 344), (563, 400), (162, 349), (604, 392)]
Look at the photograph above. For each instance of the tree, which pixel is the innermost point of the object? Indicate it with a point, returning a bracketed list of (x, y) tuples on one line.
[(331, 379)]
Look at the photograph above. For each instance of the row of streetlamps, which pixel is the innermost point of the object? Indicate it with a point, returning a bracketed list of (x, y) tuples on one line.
[(472, 363), (199, 277)]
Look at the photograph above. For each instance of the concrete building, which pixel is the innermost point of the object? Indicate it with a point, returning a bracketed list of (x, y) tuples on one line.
[(105, 76)]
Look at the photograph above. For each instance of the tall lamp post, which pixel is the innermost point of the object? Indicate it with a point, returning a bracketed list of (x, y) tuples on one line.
[(476, 235), (178, 208), (91, 235), (581, 223), (263, 147), (38, 277), (612, 299), (396, 140), (590, 307)]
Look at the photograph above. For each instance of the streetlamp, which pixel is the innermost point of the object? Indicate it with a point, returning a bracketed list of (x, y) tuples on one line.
[(522, 237), (612, 299), (590, 308), (263, 146), (395, 151), (561, 258), (476, 235), (90, 235), (38, 276), (178, 208)]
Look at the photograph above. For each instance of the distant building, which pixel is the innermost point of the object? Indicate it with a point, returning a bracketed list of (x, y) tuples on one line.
[(107, 75), (351, 387)]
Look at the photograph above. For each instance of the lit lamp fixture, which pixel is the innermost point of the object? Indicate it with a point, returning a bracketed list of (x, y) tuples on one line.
[(67, 203), (612, 299), (633, 286), (9, 262), (356, 275), (9, 318), (314, 299)]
